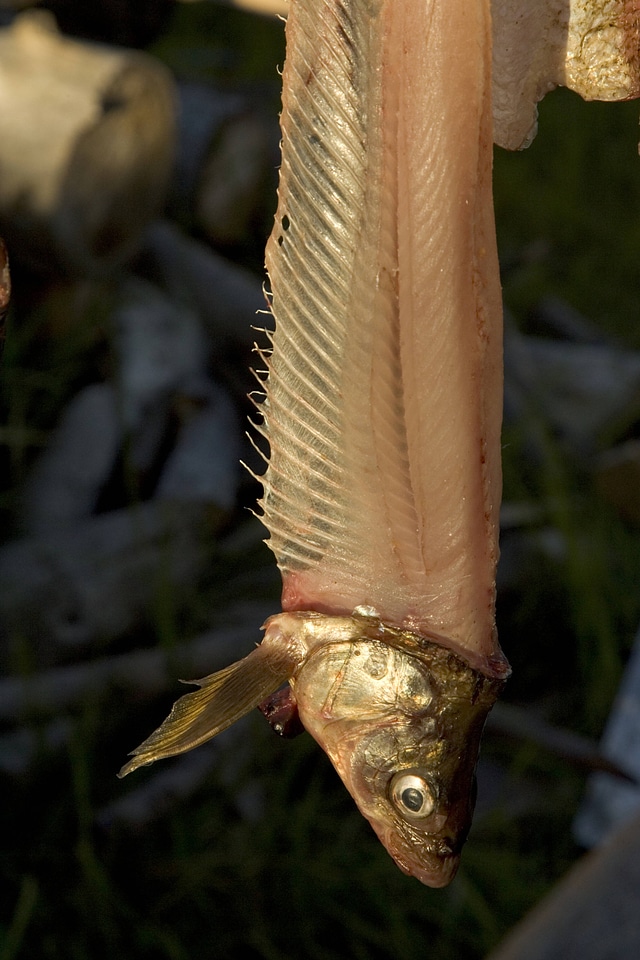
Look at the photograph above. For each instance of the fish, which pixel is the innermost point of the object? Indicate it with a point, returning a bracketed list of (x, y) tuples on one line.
[(382, 413)]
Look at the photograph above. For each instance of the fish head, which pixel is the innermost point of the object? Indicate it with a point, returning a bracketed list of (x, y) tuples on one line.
[(403, 731)]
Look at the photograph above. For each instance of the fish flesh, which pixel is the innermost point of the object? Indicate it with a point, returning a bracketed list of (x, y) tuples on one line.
[(382, 412)]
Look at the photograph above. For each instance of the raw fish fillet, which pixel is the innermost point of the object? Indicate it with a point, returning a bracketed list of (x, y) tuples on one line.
[(384, 397)]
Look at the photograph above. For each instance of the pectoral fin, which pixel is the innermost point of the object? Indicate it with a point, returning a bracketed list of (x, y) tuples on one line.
[(223, 698)]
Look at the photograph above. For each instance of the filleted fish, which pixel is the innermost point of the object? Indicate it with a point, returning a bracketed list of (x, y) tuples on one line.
[(382, 415)]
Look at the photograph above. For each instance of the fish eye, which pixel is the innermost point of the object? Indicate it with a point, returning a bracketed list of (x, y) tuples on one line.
[(412, 795)]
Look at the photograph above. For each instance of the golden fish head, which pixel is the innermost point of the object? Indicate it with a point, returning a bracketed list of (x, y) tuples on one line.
[(403, 731)]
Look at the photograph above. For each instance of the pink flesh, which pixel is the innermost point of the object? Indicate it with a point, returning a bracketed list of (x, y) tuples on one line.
[(384, 398)]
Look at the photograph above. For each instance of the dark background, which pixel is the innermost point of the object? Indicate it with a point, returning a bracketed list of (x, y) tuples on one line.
[(253, 848)]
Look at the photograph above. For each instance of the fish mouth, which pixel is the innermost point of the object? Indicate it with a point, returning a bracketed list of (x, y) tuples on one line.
[(427, 863), (440, 877), (432, 860)]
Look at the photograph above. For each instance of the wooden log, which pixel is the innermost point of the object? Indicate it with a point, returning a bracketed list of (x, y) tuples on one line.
[(591, 914), (225, 296), (95, 580), (204, 465), (130, 22), (146, 672), (269, 8), (66, 480), (21, 748), (227, 155), (87, 136), (169, 786), (229, 201), (587, 392), (149, 7), (202, 112), (160, 344)]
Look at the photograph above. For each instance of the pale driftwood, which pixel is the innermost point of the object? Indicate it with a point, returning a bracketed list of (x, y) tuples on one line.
[(584, 391), (204, 464), (160, 344), (227, 154), (274, 7), (202, 111), (145, 672), (87, 139), (177, 781), (95, 580), (593, 912), (66, 480), (523, 553), (279, 8), (226, 297), (181, 778), (609, 803), (229, 196), (521, 723), (558, 318), (21, 747), (129, 22)]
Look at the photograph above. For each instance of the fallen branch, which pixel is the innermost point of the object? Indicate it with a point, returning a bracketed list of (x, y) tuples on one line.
[(144, 672), (82, 178), (226, 297), (94, 580)]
